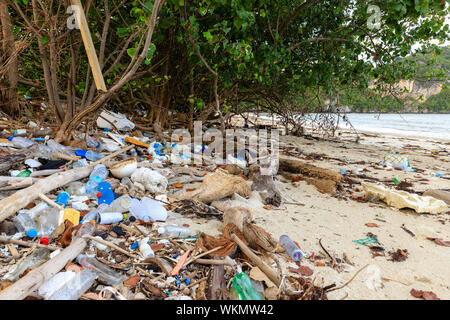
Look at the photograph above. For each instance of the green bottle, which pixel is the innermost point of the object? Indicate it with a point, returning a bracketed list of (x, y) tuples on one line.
[(244, 288), (24, 174)]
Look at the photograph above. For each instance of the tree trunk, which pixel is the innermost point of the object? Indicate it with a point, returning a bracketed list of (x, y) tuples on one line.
[(8, 60)]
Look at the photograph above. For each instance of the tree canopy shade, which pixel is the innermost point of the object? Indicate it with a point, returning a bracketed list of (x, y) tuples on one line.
[(220, 56)]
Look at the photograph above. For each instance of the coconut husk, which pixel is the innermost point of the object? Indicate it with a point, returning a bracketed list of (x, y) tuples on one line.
[(258, 238), (237, 216), (207, 242), (215, 187)]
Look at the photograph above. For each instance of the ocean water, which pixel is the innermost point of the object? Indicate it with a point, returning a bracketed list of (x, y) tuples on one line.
[(430, 126)]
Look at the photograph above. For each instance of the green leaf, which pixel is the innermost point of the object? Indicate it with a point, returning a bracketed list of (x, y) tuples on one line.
[(44, 40), (131, 52)]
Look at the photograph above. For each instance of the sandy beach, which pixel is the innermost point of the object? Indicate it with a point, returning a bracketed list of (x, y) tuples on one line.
[(340, 221)]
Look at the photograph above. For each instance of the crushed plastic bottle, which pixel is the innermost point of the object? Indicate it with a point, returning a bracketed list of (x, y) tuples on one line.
[(121, 204), (76, 287), (155, 209), (80, 163), (34, 260), (244, 288), (25, 223), (47, 222), (291, 248), (93, 156), (93, 143), (86, 228), (104, 273), (21, 142), (139, 211), (76, 188), (174, 231), (95, 214), (56, 147), (145, 248), (55, 283)]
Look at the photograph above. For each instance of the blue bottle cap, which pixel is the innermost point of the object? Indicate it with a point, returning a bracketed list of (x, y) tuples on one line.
[(134, 246), (80, 153), (32, 233)]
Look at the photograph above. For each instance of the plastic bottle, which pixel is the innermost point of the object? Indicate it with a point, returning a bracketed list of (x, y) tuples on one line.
[(93, 143), (145, 249), (92, 186), (244, 288), (121, 204), (76, 287), (55, 283), (47, 222), (24, 174), (34, 260), (139, 211), (110, 217), (291, 248), (93, 156), (95, 214), (43, 151), (155, 209), (76, 188), (21, 142), (86, 228), (174, 231), (25, 224), (80, 163), (56, 147), (100, 171), (106, 274)]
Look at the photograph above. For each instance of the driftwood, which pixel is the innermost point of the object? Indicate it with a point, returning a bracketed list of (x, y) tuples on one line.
[(323, 179), (13, 183), (269, 272), (256, 236), (35, 278), (218, 282), (27, 243), (22, 198), (215, 187)]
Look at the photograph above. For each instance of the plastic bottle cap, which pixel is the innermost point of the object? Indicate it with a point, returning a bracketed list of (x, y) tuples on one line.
[(44, 241), (99, 194), (134, 246), (32, 233)]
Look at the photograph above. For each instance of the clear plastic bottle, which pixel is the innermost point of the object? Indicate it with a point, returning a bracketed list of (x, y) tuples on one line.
[(43, 151), (106, 274), (76, 188), (291, 248), (121, 204), (47, 222), (93, 143), (99, 170), (80, 163), (22, 143), (91, 186), (95, 214), (56, 147), (139, 211), (34, 260), (93, 156), (76, 287), (145, 248), (155, 209), (86, 228), (25, 223), (110, 217), (174, 231), (55, 283)]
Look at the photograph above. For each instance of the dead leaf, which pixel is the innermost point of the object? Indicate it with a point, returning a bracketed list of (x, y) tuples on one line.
[(177, 185), (133, 281), (258, 275), (156, 246), (320, 264), (371, 225), (268, 207), (440, 242), (426, 295), (303, 270)]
